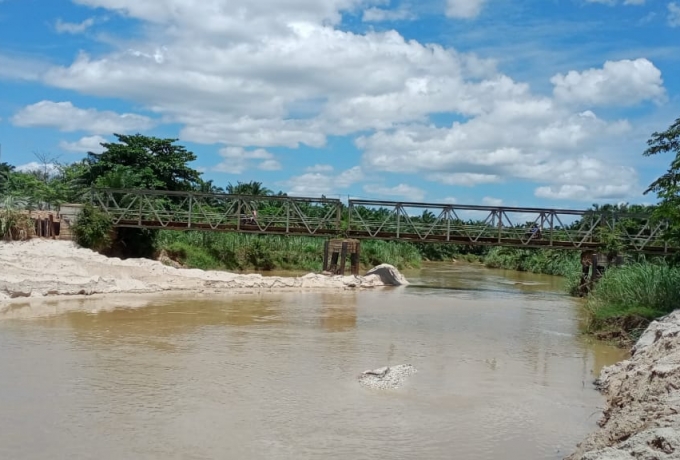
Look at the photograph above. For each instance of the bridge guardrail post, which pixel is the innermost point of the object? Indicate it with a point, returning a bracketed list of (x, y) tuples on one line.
[(191, 207), (287, 204)]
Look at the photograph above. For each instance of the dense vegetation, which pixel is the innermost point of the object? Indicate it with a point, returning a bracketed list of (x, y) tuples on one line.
[(624, 300)]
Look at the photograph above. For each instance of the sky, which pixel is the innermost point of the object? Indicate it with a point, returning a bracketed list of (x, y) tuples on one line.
[(496, 102)]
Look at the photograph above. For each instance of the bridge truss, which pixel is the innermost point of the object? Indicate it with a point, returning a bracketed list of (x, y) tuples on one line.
[(282, 215), (505, 226), (383, 220)]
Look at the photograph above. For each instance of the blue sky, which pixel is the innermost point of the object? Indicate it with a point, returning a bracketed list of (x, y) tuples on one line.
[(521, 103)]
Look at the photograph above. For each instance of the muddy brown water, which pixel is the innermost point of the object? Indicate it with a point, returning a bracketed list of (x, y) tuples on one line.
[(503, 374)]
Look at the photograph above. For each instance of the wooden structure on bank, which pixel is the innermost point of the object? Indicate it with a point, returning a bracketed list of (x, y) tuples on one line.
[(54, 224), (46, 227), (335, 254), (593, 266)]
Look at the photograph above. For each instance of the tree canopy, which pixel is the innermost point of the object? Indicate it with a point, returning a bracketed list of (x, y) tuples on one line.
[(667, 187), (137, 161)]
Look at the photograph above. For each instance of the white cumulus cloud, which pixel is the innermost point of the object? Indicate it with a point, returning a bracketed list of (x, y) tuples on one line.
[(319, 168), (491, 201), (236, 160), (381, 14), (674, 14), (84, 145), (50, 168), (625, 82), (73, 27), (615, 2), (407, 192), (257, 74), (464, 8), (320, 183), (64, 116)]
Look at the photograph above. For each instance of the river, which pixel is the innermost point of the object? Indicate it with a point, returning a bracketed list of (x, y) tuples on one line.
[(502, 374)]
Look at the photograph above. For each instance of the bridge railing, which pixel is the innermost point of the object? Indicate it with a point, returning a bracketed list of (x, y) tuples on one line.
[(497, 225), (386, 220), (219, 212)]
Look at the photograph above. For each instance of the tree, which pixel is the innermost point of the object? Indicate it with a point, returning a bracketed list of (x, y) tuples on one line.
[(252, 188), (6, 170), (667, 187), (138, 161)]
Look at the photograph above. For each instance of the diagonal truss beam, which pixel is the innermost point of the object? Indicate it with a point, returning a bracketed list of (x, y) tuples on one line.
[(386, 220), (502, 226)]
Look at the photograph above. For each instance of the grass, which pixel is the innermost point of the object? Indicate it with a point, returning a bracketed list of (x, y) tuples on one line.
[(233, 251), (544, 261), (626, 299), (14, 225)]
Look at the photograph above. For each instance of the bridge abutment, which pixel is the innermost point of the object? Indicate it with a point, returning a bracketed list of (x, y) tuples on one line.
[(335, 256)]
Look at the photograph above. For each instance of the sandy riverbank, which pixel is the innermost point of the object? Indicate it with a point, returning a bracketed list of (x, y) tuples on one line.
[(642, 416), (44, 268)]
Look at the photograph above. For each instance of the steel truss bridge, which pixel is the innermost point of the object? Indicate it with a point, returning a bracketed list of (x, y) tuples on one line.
[(383, 220)]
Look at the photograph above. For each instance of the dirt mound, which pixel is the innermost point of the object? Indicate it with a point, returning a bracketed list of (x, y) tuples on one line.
[(642, 419), (40, 268)]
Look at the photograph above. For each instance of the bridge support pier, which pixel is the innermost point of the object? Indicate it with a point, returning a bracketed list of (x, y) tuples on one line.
[(335, 256), (593, 266)]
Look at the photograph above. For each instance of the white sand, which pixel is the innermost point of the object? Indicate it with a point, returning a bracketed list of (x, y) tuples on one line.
[(42, 268)]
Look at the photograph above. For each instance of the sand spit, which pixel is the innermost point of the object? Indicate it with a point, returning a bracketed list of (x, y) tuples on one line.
[(43, 268), (642, 417)]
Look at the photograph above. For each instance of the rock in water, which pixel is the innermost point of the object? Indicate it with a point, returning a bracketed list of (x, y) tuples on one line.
[(389, 275), (385, 378)]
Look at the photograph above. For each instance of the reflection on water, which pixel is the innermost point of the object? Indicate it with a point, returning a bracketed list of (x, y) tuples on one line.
[(502, 374)]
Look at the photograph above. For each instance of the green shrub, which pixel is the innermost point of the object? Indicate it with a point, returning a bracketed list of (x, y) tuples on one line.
[(192, 256), (627, 298), (92, 229), (545, 261)]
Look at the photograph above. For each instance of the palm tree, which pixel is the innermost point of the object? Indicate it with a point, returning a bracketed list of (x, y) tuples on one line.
[(209, 187), (5, 170), (252, 188), (13, 225)]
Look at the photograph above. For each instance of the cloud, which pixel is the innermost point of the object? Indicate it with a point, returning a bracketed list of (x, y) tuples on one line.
[(84, 145), (27, 68), (583, 193), (408, 192), (464, 179), (64, 116), (621, 83), (317, 183), (241, 90), (491, 201), (319, 168), (615, 2), (237, 160), (380, 15), (283, 74), (673, 14), (539, 143), (464, 9), (73, 27), (35, 166)]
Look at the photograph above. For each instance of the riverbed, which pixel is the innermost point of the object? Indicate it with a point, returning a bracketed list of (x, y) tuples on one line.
[(502, 373)]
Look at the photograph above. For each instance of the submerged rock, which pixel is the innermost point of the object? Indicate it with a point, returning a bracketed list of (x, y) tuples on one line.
[(385, 378), (388, 274)]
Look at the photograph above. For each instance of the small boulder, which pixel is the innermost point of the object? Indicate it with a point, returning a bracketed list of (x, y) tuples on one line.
[(385, 378), (388, 274)]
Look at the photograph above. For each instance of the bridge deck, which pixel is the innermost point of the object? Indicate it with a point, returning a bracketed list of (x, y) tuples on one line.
[(383, 220)]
